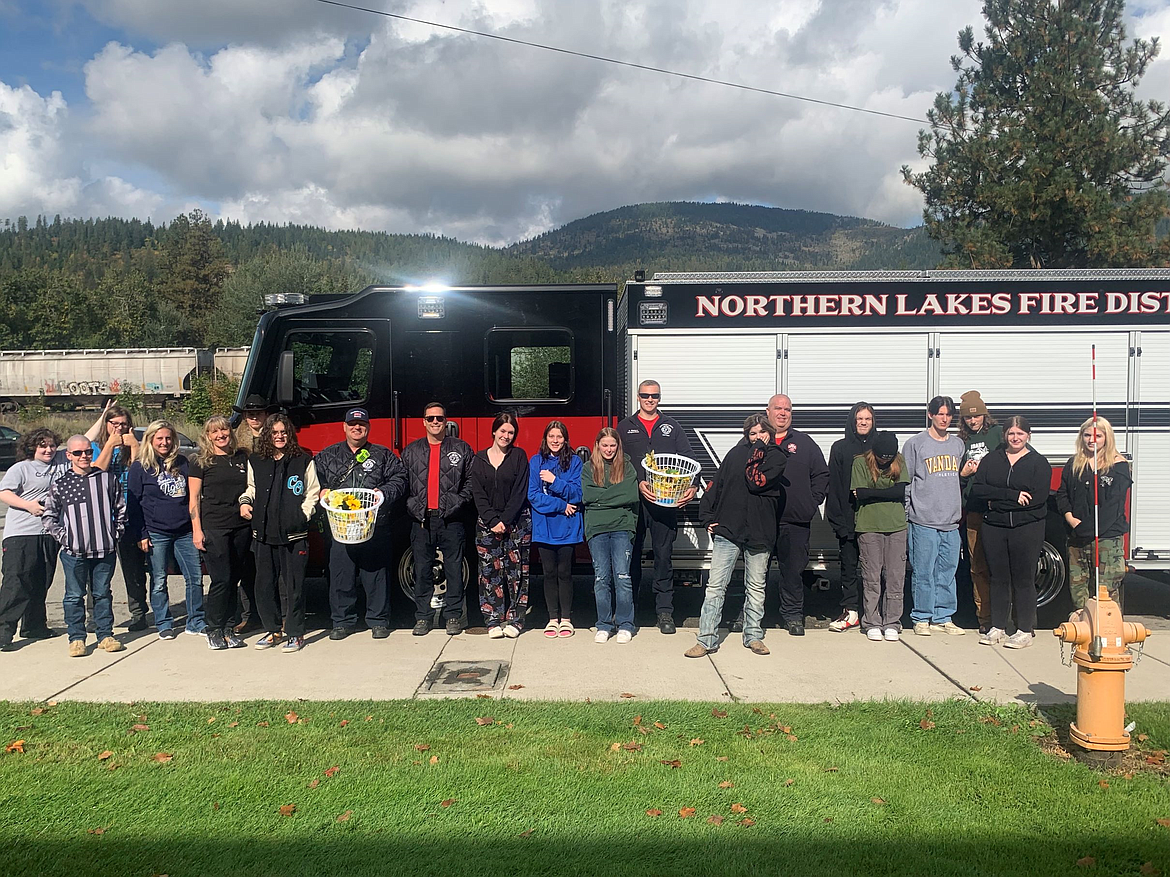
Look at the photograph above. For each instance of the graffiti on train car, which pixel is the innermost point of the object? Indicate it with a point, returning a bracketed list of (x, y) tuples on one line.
[(95, 388)]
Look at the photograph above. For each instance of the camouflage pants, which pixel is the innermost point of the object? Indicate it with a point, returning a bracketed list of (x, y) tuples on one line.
[(1081, 582)]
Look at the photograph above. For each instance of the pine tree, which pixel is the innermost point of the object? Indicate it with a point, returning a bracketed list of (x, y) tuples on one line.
[(1043, 156)]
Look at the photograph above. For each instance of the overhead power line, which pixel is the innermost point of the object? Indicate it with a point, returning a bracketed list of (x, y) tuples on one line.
[(647, 67)]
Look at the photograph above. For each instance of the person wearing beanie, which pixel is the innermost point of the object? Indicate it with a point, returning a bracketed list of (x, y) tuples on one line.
[(878, 480), (981, 435), (860, 428)]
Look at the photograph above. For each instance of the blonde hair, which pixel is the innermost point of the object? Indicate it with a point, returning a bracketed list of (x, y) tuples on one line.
[(150, 460), (207, 455), (618, 467), (1106, 454)]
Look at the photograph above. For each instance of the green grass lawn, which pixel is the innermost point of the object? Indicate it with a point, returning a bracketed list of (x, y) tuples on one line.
[(411, 788)]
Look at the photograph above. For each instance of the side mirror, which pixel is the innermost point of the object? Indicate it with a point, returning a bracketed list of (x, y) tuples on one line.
[(284, 379)]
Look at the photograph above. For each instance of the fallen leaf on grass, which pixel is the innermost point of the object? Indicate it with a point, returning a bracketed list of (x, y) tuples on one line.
[(697, 741), (163, 757), (653, 812), (721, 758), (1149, 869), (990, 720), (789, 782), (757, 711), (137, 728), (719, 714), (38, 711), (715, 820), (102, 756), (727, 784), (314, 783), (215, 805), (632, 747), (832, 769), (1165, 823), (344, 722), (528, 833), (434, 759), (738, 808), (660, 726), (234, 725), (261, 724), (15, 746), (447, 803), (485, 720), (1127, 776), (51, 703), (291, 717), (747, 820), (627, 695), (878, 800), (686, 812), (926, 725), (517, 688), (671, 763), (1086, 862), (422, 747), (1103, 784), (369, 718), (1142, 738), (288, 809), (24, 727), (827, 819), (332, 771), (484, 696), (95, 831), (614, 747), (344, 817), (792, 738), (1158, 757), (210, 720)]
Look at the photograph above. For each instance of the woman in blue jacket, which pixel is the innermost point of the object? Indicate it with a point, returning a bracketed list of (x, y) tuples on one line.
[(554, 492)]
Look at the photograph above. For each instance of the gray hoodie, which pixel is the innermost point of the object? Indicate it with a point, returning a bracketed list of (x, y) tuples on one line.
[(934, 498)]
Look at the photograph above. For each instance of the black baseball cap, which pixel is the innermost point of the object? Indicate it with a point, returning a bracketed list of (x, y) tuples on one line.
[(357, 415), (254, 402)]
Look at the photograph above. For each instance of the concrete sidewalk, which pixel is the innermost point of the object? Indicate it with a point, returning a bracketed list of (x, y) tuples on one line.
[(821, 666)]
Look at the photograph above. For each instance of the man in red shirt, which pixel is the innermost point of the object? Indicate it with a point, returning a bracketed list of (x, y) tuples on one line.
[(439, 468)]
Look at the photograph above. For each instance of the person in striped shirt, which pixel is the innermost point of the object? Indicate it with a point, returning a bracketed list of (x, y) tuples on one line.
[(85, 511)]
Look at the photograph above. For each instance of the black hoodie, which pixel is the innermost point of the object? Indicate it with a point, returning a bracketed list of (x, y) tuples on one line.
[(839, 509), (742, 501)]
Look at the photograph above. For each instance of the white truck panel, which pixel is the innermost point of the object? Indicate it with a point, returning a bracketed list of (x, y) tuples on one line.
[(841, 368), (708, 370), (1149, 507)]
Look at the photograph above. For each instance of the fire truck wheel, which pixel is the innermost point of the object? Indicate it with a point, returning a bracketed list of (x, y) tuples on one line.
[(1053, 600), (405, 570)]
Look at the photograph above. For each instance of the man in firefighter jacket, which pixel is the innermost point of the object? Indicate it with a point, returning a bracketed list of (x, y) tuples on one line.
[(356, 462), (643, 431), (439, 500)]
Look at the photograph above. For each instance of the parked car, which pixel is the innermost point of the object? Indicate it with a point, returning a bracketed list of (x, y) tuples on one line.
[(187, 447), (8, 441)]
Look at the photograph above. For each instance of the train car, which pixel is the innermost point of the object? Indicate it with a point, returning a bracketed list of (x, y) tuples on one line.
[(542, 352), (722, 344)]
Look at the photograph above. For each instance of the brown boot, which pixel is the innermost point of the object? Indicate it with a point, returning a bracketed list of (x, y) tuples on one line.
[(758, 648), (698, 650), (109, 644), (77, 648)]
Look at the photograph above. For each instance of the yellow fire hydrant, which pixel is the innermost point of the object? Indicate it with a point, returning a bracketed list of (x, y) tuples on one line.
[(1102, 656)]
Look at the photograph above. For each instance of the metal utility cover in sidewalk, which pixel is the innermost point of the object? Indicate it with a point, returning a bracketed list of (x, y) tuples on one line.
[(466, 676)]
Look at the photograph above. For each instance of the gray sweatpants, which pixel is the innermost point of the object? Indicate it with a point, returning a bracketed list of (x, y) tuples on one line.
[(882, 552)]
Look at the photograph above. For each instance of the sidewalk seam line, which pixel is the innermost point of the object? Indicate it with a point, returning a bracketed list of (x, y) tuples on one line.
[(726, 687), (941, 672), (100, 670), (438, 657)]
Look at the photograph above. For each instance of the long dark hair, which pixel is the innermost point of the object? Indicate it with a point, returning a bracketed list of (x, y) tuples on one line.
[(268, 449), (965, 432), (502, 418), (565, 456), (27, 448)]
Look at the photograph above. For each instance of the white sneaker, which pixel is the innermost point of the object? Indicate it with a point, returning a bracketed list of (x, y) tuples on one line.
[(495, 633), (892, 635), (922, 628), (993, 637), (950, 628), (874, 634), (1021, 639), (623, 636), (847, 620), (511, 631), (602, 636)]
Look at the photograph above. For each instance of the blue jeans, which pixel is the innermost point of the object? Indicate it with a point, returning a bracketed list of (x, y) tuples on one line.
[(94, 573), (611, 576), (934, 557), (724, 554), (163, 547)]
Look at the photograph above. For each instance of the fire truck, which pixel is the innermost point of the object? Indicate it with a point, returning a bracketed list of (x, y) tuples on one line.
[(721, 344)]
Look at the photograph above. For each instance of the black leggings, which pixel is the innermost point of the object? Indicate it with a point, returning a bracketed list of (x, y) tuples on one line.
[(557, 561), (1012, 553), (225, 556)]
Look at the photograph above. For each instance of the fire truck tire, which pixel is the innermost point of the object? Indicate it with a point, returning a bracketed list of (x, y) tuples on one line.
[(404, 570), (1053, 600)]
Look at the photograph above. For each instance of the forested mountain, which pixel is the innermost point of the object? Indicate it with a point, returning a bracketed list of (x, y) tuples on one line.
[(128, 283)]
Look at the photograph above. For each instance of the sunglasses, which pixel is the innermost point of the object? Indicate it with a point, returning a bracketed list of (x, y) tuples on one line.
[(435, 418), (88, 452), (649, 395)]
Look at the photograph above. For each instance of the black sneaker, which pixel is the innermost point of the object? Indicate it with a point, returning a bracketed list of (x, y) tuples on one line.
[(666, 622), (794, 628), (168, 634), (340, 632), (454, 628), (215, 640), (43, 633), (736, 626), (233, 641), (137, 624), (421, 627), (381, 632), (8, 646)]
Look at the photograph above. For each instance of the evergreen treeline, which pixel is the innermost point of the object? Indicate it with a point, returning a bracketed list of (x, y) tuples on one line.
[(128, 283)]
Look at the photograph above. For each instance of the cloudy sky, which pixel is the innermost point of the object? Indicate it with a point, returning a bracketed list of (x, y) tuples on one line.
[(297, 111)]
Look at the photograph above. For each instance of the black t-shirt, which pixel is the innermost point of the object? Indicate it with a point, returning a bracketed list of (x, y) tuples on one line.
[(223, 482)]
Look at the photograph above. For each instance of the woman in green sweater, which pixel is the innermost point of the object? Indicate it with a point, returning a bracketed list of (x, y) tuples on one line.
[(878, 482), (610, 487)]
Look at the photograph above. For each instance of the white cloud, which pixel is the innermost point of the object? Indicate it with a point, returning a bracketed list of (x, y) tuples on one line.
[(282, 113)]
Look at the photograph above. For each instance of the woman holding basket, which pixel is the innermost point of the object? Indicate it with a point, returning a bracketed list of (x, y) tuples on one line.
[(554, 491), (610, 490)]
